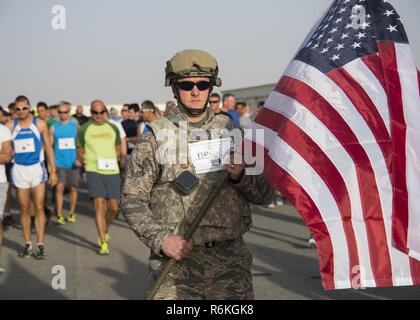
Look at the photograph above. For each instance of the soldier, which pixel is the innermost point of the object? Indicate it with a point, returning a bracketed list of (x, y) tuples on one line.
[(216, 264)]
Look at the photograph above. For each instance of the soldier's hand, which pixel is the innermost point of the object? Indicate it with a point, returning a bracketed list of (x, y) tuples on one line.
[(235, 170), (176, 247)]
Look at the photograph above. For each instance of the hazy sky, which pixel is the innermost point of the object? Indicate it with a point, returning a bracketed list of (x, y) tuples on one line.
[(116, 50)]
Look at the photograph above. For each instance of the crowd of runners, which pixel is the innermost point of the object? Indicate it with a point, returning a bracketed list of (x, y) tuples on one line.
[(46, 151)]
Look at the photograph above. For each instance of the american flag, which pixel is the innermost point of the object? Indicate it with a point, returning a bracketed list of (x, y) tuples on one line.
[(342, 143)]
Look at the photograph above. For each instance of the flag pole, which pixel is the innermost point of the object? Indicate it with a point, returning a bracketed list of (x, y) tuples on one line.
[(190, 231)]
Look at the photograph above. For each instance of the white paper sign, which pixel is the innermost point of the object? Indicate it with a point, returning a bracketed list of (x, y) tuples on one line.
[(66, 143), (24, 145), (107, 164), (209, 155)]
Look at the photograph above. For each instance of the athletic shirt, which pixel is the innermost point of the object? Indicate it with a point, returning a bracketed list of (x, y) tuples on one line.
[(27, 144), (65, 144), (99, 143)]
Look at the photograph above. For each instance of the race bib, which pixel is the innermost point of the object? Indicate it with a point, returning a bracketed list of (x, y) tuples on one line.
[(66, 143), (107, 164), (24, 145), (209, 156)]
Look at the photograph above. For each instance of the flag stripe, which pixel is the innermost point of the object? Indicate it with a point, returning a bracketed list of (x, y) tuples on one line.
[(324, 138), (415, 270), (418, 80), (373, 88), (295, 193), (400, 215), (372, 212), (308, 149), (400, 224), (355, 93), (373, 62), (285, 157), (410, 98), (367, 110), (402, 269)]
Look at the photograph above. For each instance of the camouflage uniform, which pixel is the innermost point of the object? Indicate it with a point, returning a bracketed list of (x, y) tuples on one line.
[(219, 266)]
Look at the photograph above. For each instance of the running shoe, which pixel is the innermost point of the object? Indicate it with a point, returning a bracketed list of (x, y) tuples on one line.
[(40, 252), (107, 238), (60, 220), (103, 248), (71, 218), (311, 243), (279, 202), (27, 251), (8, 221)]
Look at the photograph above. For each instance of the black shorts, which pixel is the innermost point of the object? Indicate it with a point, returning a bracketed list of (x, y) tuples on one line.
[(103, 185)]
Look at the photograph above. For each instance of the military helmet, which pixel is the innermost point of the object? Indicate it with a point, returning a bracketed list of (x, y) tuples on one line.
[(192, 63)]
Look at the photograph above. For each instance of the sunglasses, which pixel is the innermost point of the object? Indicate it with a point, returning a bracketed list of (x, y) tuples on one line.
[(98, 112), (22, 109), (63, 112), (215, 101), (189, 85)]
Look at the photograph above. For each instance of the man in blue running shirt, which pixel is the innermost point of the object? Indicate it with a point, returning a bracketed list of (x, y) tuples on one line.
[(63, 138), (28, 174)]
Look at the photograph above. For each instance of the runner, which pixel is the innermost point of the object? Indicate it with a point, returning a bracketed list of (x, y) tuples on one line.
[(63, 137), (98, 148), (28, 174), (5, 157), (123, 136)]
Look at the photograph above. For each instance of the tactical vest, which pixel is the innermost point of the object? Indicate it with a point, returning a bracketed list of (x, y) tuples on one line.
[(228, 217)]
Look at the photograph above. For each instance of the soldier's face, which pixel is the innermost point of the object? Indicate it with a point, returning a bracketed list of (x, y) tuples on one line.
[(195, 97)]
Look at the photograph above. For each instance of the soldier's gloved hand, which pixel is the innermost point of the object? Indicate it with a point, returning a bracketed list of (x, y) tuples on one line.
[(176, 247)]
